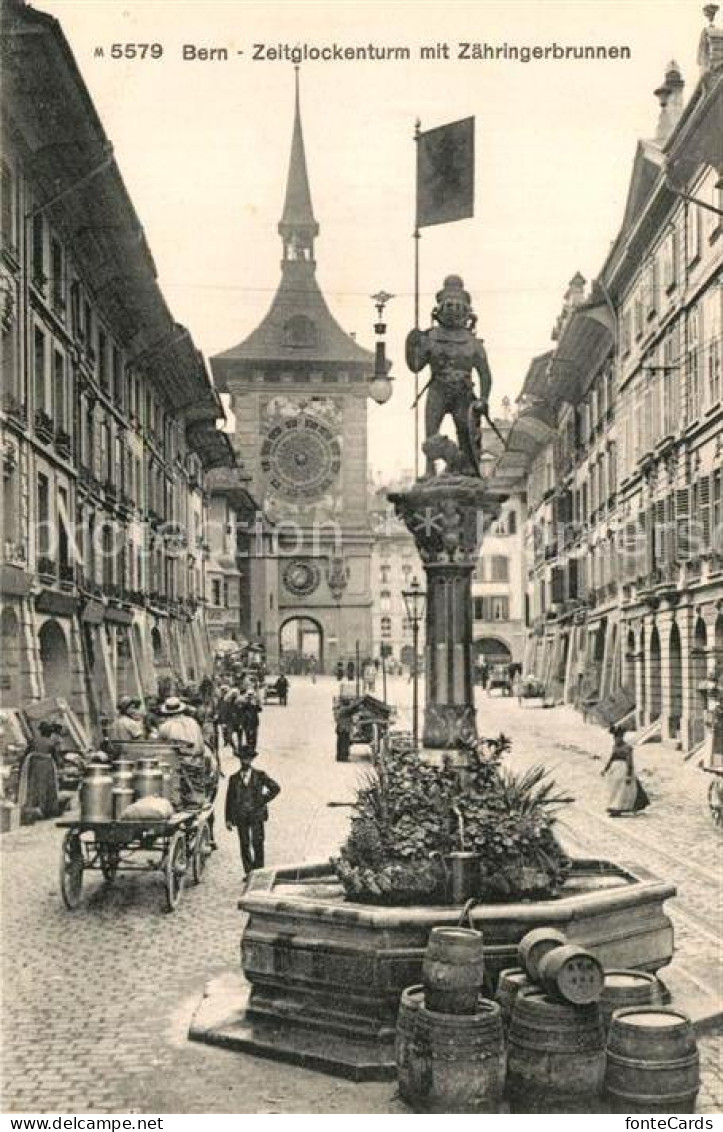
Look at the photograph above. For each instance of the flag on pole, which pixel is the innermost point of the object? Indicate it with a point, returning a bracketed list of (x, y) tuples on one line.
[(445, 173)]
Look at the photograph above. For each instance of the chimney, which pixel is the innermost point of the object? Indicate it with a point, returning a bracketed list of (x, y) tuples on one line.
[(710, 47), (675, 84), (664, 126)]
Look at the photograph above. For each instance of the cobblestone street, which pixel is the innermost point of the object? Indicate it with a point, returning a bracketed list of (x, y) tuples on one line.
[(97, 1003)]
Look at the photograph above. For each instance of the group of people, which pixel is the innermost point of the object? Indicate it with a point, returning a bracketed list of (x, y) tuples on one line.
[(226, 716)]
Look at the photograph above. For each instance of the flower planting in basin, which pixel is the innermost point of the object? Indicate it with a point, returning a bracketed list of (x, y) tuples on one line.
[(411, 817)]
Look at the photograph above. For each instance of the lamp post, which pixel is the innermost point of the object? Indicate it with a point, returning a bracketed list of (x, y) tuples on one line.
[(380, 387), (414, 600)]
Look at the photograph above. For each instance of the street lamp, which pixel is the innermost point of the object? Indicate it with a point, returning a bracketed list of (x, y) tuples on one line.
[(415, 600), (380, 387)]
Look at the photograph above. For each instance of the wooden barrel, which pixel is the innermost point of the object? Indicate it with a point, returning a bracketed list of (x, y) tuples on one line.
[(533, 947), (652, 1061), (512, 980), (404, 1042), (624, 988), (572, 974), (554, 1050), (453, 969), (458, 1060)]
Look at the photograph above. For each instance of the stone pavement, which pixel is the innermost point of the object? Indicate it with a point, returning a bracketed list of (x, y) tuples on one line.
[(96, 1003)]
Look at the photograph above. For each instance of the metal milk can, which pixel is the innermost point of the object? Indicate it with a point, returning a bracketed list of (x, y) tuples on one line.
[(121, 796), (148, 778), (95, 793), (166, 782)]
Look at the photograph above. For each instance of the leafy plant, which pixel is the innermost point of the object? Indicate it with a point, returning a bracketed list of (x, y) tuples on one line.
[(409, 815)]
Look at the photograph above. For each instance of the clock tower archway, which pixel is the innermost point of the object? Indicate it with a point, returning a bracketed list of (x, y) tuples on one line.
[(299, 386)]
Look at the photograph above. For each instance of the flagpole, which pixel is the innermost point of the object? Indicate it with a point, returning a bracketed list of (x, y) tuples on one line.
[(417, 237)]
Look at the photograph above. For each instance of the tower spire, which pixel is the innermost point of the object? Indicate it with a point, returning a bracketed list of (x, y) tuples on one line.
[(298, 226)]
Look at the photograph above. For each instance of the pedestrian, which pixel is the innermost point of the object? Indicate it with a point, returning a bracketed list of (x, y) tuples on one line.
[(344, 724), (38, 785), (246, 716), (282, 690), (350, 670), (179, 727), (340, 670), (313, 667), (484, 675), (626, 792), (247, 799), (128, 724)]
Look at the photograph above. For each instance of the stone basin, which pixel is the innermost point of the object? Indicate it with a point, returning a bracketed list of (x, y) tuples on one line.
[(325, 974)]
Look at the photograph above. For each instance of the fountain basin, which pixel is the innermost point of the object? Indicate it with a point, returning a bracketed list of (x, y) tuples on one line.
[(325, 975)]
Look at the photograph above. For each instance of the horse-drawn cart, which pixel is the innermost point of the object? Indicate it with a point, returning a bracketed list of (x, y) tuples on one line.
[(172, 846)]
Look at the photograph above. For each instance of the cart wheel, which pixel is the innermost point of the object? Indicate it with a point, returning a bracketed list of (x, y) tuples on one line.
[(175, 869), (71, 870), (715, 801), (109, 857), (201, 852)]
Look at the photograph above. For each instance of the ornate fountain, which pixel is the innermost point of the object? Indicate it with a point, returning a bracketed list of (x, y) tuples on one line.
[(323, 974)]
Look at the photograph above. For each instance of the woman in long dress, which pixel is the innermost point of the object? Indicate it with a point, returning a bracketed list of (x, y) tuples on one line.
[(626, 794)]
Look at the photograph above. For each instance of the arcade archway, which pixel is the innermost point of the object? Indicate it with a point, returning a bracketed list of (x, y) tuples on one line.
[(656, 676), (54, 660), (491, 650), (301, 646)]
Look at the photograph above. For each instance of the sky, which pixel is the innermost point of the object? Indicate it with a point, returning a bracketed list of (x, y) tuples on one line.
[(203, 147)]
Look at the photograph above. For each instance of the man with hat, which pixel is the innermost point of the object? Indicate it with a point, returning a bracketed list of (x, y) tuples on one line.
[(246, 719), (128, 724), (179, 727), (247, 800)]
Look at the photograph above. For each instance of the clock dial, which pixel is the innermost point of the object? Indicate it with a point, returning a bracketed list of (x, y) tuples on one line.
[(301, 578), (302, 458)]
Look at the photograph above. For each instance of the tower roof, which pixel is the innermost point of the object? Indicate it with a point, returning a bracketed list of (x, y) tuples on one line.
[(298, 215), (299, 328)]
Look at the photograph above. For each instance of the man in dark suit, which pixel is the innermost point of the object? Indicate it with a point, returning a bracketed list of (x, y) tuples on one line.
[(247, 798), (246, 714)]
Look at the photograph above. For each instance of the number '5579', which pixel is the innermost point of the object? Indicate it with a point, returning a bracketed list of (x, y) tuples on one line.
[(136, 50)]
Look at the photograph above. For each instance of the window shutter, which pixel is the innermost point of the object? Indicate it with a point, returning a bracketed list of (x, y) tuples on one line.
[(704, 512), (557, 584), (659, 531), (682, 503), (572, 579)]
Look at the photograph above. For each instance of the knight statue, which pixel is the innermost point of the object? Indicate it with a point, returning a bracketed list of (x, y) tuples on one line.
[(452, 351)]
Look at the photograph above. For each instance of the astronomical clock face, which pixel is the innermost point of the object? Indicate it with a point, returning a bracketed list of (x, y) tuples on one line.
[(301, 578), (301, 455), (302, 458)]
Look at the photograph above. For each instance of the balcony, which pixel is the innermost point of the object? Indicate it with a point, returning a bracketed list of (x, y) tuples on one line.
[(15, 410), (43, 426), (47, 570), (62, 443), (15, 554), (67, 576)]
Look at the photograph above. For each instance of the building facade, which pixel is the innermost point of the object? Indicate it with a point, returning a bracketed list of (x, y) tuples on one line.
[(299, 387), (395, 564), (618, 441), (498, 581), (108, 414)]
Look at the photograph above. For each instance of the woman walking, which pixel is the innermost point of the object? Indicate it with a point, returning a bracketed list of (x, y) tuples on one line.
[(626, 793)]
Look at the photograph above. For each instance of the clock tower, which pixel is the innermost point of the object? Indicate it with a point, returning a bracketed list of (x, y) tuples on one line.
[(299, 388)]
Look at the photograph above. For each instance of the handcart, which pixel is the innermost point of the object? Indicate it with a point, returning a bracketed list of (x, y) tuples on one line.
[(172, 846)]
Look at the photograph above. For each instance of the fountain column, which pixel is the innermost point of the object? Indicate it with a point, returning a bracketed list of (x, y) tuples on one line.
[(447, 515)]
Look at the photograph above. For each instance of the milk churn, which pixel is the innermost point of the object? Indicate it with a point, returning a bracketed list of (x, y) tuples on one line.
[(148, 779), (123, 774), (122, 796), (96, 793), (166, 782)]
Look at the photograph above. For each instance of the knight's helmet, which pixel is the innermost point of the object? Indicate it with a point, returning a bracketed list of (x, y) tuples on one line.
[(453, 290)]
